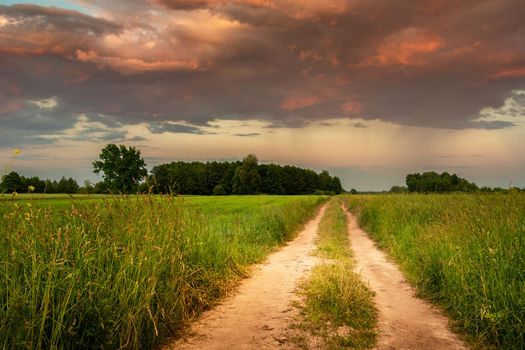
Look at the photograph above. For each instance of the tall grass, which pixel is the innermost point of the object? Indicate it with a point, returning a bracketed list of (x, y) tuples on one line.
[(465, 252), (338, 308), (129, 272)]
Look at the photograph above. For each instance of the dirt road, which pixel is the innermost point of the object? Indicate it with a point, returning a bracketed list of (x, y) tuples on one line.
[(259, 314), (405, 322)]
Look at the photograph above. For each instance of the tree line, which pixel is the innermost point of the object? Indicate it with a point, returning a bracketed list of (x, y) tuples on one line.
[(13, 182), (432, 182), (246, 177), (438, 183), (124, 171)]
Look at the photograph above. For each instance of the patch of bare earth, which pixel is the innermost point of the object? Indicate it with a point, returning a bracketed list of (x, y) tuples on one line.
[(405, 321), (258, 315)]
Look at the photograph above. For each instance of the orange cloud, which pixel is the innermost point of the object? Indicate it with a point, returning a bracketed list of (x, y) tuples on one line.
[(405, 48), (509, 73), (292, 103), (352, 107), (305, 9), (199, 4), (129, 65)]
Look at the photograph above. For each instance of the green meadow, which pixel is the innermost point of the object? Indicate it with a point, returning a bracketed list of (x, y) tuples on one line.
[(112, 272), (465, 252), (100, 271)]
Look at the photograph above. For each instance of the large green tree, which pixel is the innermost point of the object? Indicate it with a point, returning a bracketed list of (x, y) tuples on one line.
[(123, 167), (12, 182), (247, 179)]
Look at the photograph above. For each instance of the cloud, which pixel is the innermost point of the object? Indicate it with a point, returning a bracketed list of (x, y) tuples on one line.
[(137, 139), (48, 103), (292, 103), (249, 134), (176, 128), (131, 65), (491, 125), (359, 125), (180, 64), (37, 18)]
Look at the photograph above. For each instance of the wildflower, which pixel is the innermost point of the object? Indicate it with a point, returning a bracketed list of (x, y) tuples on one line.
[(31, 188), (16, 152)]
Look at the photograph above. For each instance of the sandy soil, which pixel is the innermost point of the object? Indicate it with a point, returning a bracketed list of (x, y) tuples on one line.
[(259, 314), (405, 322)]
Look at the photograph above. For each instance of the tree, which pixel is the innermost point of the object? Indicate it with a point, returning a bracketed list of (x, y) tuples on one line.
[(335, 185), (432, 182), (87, 188), (398, 189), (67, 185), (101, 188), (229, 174), (247, 179), (218, 190), (214, 173), (240, 178), (35, 182), (123, 167), (271, 179), (12, 182), (51, 186), (325, 181)]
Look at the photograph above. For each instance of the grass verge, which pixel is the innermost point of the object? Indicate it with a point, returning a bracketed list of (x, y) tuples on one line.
[(128, 272), (464, 252), (338, 310)]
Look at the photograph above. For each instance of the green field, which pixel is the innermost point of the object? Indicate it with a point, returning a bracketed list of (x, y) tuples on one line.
[(55, 201), (116, 272), (87, 271), (465, 252)]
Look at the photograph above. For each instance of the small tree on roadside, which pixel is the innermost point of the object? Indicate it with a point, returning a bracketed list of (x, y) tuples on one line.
[(123, 168)]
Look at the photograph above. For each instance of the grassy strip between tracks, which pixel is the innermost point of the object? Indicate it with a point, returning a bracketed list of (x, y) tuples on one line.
[(338, 310)]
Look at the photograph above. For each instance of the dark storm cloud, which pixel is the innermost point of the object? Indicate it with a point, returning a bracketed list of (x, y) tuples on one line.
[(249, 134), (426, 63), (159, 128), (491, 125), (20, 138), (137, 139)]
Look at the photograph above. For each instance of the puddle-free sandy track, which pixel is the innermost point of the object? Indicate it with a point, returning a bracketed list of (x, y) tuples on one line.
[(258, 315), (405, 321)]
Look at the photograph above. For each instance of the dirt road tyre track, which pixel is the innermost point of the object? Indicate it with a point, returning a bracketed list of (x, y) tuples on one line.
[(405, 321), (258, 315)]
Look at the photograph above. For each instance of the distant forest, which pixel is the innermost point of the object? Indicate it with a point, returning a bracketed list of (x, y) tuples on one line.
[(13, 182), (432, 182), (124, 171), (246, 177), (195, 178)]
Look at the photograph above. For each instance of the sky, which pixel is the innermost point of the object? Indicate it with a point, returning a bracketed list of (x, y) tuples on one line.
[(368, 89)]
